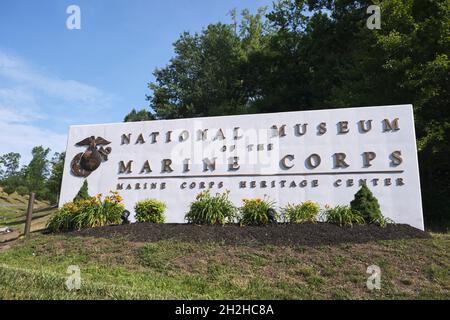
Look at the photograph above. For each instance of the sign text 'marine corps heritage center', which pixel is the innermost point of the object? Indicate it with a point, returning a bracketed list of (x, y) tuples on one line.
[(289, 157)]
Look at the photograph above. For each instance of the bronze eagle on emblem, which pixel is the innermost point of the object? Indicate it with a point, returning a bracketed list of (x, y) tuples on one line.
[(84, 163)]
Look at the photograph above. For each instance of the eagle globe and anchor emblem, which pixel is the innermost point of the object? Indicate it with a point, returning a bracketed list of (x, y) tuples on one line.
[(84, 163)]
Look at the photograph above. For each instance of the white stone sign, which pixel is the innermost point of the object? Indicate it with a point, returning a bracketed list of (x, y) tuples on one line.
[(289, 157)]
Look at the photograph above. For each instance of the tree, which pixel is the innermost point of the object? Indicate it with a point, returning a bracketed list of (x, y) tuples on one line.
[(366, 205), (11, 178), (313, 54), (55, 179), (37, 172), (36, 176), (9, 164), (141, 115), (208, 74), (406, 61), (203, 79), (83, 193)]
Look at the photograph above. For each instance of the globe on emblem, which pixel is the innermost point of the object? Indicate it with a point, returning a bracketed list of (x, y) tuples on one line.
[(91, 159), (83, 164)]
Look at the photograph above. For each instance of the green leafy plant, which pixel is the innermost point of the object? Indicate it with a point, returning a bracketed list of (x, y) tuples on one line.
[(208, 209), (381, 221), (62, 220), (83, 193), (254, 211), (150, 210), (343, 216), (366, 204), (22, 190), (300, 213), (87, 213)]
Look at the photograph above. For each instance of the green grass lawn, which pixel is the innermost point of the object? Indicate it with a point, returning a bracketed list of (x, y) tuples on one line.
[(119, 269)]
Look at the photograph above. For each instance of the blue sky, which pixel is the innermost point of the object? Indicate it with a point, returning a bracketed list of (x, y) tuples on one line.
[(52, 77)]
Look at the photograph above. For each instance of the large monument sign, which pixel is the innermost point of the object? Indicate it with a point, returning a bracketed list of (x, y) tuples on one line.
[(289, 157)]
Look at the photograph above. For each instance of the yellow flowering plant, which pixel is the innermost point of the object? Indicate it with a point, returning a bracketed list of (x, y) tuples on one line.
[(255, 211), (88, 213), (300, 213)]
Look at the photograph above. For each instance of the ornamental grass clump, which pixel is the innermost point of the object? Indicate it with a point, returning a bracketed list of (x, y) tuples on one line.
[(342, 215), (255, 211), (87, 213), (150, 210), (209, 209), (301, 213)]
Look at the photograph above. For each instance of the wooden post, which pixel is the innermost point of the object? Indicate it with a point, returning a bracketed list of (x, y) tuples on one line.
[(29, 214)]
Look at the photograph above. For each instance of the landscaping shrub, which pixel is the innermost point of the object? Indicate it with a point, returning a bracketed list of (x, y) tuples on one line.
[(23, 191), (254, 211), (87, 213), (208, 209), (366, 204), (83, 193), (343, 216), (300, 213), (150, 210)]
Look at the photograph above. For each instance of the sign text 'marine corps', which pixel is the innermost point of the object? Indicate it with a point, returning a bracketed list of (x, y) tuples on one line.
[(290, 157)]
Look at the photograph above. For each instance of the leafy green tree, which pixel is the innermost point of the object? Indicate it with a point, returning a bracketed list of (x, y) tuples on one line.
[(9, 165), (406, 61), (141, 115), (36, 176), (55, 179), (313, 54), (208, 74), (11, 183), (206, 69), (11, 177), (83, 193), (37, 172)]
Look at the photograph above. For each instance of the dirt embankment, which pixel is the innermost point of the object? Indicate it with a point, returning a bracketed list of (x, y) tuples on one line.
[(280, 234)]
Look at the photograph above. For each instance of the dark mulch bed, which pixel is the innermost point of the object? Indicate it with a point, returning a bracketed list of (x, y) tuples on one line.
[(281, 234)]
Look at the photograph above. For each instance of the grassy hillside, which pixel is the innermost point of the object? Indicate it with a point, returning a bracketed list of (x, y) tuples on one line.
[(120, 269), (13, 208)]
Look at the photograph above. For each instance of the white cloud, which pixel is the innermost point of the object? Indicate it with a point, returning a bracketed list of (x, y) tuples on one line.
[(36, 108), (18, 105), (22, 138), (18, 110), (75, 92)]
